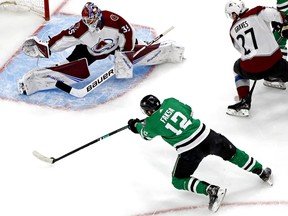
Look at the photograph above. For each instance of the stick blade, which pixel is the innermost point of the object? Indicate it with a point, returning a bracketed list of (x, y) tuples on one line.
[(63, 86), (70, 90), (43, 158)]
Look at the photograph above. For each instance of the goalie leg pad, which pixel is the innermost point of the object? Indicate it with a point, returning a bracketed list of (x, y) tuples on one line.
[(41, 79), (123, 66), (77, 69), (167, 51), (46, 78)]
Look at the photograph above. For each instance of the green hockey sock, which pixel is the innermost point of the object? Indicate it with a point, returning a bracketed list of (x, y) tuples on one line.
[(191, 184), (244, 161)]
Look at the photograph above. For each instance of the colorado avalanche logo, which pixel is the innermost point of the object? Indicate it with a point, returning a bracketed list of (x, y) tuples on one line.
[(114, 17), (103, 45), (77, 25)]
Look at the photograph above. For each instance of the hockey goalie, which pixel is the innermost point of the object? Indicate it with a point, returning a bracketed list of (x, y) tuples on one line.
[(96, 36)]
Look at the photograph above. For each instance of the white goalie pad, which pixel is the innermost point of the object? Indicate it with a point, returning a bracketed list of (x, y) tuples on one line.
[(45, 78), (41, 79), (33, 47), (123, 66), (165, 52)]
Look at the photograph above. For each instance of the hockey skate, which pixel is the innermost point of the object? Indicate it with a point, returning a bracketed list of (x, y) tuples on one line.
[(216, 196), (274, 83), (21, 87), (240, 109), (265, 175)]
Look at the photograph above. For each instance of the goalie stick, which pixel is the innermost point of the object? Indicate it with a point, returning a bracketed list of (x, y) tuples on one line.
[(103, 77), (52, 160)]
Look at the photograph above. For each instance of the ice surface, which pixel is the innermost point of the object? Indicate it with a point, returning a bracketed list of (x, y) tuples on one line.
[(124, 175)]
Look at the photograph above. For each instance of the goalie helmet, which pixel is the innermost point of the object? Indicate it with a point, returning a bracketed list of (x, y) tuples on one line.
[(235, 6), (150, 104), (92, 16)]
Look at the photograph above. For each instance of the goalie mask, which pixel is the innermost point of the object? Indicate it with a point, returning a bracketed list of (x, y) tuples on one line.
[(235, 6), (92, 16), (149, 104)]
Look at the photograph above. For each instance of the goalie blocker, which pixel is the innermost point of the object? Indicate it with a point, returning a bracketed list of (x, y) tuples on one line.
[(70, 73)]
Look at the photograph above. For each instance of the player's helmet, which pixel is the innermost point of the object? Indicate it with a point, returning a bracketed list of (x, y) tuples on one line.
[(235, 6), (92, 15), (150, 103)]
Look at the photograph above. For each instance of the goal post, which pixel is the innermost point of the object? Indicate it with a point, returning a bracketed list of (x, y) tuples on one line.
[(40, 7)]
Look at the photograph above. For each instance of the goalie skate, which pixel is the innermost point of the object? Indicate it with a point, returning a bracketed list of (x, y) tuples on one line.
[(21, 87), (216, 196), (274, 83)]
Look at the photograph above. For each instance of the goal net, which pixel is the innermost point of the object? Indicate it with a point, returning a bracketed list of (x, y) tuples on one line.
[(40, 7)]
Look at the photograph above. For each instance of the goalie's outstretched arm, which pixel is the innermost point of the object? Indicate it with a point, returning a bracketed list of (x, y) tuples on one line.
[(35, 48)]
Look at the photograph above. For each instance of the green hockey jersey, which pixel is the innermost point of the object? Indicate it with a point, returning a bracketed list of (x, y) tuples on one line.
[(282, 5), (173, 121)]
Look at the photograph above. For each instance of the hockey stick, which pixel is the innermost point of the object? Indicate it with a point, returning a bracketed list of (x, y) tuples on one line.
[(249, 96), (102, 78), (251, 90), (52, 160)]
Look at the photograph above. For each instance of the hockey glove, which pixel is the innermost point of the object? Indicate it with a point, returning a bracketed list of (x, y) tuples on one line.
[(276, 26), (132, 125), (33, 47), (284, 30)]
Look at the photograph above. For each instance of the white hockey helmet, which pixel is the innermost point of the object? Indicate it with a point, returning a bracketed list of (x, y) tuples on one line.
[(92, 15), (235, 6)]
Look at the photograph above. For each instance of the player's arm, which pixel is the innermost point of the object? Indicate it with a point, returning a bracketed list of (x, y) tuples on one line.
[(127, 36), (138, 127), (271, 15), (33, 47), (68, 37)]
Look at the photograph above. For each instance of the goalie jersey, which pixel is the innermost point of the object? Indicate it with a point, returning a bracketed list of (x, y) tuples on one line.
[(115, 33)]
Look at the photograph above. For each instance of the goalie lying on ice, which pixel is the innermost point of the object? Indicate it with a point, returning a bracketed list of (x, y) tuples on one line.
[(93, 39)]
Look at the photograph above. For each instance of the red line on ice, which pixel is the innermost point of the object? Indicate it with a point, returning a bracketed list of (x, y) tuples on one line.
[(187, 208)]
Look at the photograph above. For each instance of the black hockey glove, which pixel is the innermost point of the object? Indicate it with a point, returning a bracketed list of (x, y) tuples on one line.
[(284, 30), (276, 26), (132, 125)]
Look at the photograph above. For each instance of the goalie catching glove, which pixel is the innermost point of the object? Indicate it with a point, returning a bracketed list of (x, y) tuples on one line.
[(33, 47)]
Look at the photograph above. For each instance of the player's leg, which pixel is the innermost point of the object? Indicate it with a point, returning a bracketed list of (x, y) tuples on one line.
[(46, 78), (167, 51), (225, 149), (242, 107), (277, 82), (182, 178)]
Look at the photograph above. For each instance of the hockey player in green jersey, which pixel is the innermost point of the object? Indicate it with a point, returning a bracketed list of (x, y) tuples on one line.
[(193, 141), (282, 6)]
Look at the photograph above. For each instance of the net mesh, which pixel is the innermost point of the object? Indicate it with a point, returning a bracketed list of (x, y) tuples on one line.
[(37, 6)]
